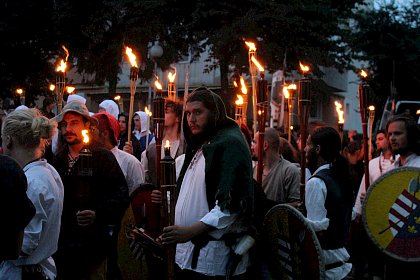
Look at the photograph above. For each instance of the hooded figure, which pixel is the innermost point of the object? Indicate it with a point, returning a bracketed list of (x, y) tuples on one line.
[(140, 133), (110, 107), (214, 191)]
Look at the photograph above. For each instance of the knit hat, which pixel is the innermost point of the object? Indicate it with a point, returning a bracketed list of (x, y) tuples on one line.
[(106, 121), (76, 107)]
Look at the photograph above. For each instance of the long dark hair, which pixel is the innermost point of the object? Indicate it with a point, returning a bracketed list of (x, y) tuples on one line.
[(125, 116)]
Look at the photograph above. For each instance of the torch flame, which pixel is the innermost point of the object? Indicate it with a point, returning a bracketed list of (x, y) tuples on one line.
[(257, 64), (259, 112), (167, 144), (340, 112), (418, 112), (131, 56), (240, 100), (171, 77), (292, 86), (117, 98), (235, 84), (363, 73), (371, 108), (158, 85), (286, 93), (19, 91), (62, 66), (243, 86), (85, 136), (67, 52), (251, 46), (70, 89), (149, 113), (304, 68), (52, 87)]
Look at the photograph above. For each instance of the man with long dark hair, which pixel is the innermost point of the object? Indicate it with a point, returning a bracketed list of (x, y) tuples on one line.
[(328, 198), (215, 191)]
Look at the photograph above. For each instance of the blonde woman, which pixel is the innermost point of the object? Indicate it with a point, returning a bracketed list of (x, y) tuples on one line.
[(25, 134)]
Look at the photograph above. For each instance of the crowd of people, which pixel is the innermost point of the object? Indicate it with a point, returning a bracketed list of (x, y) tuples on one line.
[(63, 199)]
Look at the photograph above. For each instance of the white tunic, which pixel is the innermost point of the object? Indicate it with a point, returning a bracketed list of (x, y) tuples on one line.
[(315, 196), (377, 167), (131, 167), (46, 191), (191, 207), (412, 160)]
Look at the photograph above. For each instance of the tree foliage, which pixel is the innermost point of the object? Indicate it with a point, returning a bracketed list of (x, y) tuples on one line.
[(388, 39)]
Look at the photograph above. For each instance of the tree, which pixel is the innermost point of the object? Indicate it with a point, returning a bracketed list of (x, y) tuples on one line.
[(388, 39), (25, 47)]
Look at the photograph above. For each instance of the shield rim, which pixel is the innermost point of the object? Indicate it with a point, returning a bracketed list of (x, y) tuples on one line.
[(365, 225), (302, 218)]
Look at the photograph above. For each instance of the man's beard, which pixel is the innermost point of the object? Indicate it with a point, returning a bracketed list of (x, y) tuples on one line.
[(312, 161), (400, 151), (254, 157), (74, 142), (206, 133)]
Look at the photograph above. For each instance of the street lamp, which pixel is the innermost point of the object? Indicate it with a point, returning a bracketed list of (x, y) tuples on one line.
[(155, 51)]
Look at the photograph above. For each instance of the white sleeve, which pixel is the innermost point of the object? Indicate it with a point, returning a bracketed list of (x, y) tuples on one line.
[(34, 229), (315, 196), (135, 175)]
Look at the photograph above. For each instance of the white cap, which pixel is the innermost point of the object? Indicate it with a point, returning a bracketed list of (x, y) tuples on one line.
[(73, 97), (110, 107), (21, 107)]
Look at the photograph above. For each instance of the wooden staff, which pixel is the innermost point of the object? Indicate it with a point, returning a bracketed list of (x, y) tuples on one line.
[(159, 122), (304, 96), (262, 109), (134, 75), (363, 98), (253, 71), (371, 119), (168, 186)]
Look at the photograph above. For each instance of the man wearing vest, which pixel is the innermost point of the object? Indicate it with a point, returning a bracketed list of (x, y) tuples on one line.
[(328, 199)]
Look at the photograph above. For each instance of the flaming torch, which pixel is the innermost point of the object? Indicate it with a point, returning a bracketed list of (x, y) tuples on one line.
[(159, 121), (171, 86), (363, 98), (340, 113), (85, 169), (119, 100), (253, 71), (21, 95), (304, 107), (167, 187), (60, 83), (239, 109), (134, 75), (371, 119), (149, 114), (290, 99), (262, 107)]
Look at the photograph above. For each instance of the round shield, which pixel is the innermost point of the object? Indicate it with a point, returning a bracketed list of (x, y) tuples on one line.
[(391, 213), (294, 249)]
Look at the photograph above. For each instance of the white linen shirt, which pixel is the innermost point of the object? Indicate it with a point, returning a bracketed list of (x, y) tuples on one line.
[(377, 167), (131, 167), (46, 191), (315, 196), (412, 160), (191, 207)]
